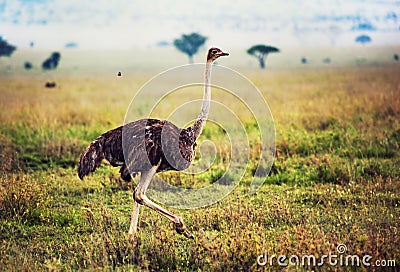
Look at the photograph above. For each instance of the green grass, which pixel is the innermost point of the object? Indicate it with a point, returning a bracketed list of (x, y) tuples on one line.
[(335, 179)]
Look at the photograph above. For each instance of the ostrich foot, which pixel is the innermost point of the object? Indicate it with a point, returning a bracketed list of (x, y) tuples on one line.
[(181, 229), (134, 240)]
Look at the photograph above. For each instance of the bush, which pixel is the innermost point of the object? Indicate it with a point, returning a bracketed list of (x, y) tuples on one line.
[(23, 200)]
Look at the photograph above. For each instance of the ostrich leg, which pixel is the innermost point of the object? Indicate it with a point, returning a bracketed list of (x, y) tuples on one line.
[(134, 220), (144, 182), (141, 198)]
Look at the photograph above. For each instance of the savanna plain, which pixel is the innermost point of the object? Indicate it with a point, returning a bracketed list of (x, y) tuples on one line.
[(334, 181)]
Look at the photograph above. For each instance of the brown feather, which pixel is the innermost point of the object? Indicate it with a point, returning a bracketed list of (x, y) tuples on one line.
[(146, 143)]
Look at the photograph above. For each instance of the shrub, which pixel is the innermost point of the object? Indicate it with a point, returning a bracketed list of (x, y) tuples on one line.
[(22, 199)]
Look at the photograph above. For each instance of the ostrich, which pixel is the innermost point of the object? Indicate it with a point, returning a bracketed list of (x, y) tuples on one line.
[(153, 146)]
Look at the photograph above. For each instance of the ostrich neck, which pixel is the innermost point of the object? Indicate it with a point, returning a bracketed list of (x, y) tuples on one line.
[(205, 108)]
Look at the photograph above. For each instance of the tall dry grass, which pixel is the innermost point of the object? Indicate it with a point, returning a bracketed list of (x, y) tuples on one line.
[(335, 180)]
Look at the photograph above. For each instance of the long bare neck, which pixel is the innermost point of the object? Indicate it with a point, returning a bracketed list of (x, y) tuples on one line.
[(205, 108)]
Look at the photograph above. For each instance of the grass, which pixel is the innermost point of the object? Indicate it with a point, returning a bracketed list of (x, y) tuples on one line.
[(335, 179)]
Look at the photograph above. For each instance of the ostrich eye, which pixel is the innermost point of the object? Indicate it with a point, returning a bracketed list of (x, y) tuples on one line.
[(214, 51)]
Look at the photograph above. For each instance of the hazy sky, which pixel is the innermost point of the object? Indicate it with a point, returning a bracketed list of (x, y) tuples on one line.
[(128, 23)]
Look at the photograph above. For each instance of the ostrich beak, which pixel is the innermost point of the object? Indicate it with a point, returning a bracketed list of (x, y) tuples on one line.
[(224, 54)]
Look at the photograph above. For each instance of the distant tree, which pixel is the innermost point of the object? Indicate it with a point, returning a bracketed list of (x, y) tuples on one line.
[(51, 62), (261, 51), (6, 49), (327, 60), (28, 65), (303, 60), (364, 26), (190, 44), (363, 39), (163, 44), (396, 57), (71, 45)]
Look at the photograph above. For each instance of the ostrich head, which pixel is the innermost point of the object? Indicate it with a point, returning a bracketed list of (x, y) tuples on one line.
[(214, 53)]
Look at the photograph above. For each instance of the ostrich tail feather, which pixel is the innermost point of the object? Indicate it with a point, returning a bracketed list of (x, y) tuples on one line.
[(91, 158)]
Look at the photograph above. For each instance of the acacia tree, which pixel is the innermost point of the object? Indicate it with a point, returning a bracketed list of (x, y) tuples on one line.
[(190, 44), (51, 62), (261, 52), (363, 39), (6, 49)]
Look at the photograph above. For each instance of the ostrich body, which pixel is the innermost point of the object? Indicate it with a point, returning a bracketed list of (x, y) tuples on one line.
[(153, 146)]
